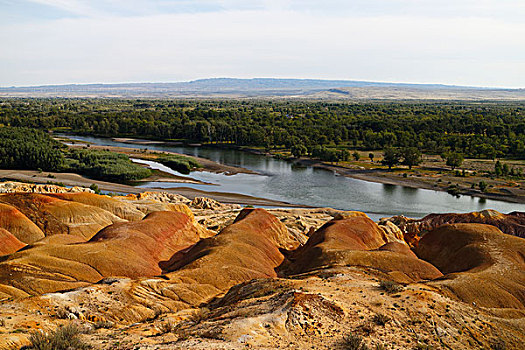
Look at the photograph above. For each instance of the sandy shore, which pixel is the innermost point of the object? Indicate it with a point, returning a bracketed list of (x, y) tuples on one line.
[(72, 179)]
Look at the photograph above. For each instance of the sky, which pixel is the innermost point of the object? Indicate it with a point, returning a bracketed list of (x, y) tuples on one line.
[(458, 42)]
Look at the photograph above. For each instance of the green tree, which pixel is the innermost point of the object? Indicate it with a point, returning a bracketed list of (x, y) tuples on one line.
[(411, 156), (356, 156), (343, 155), (390, 157), (95, 188), (454, 159), (505, 169), (482, 186), (371, 156), (498, 169), (299, 150)]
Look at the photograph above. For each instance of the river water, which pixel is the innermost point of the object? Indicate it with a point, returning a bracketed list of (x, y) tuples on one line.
[(284, 181)]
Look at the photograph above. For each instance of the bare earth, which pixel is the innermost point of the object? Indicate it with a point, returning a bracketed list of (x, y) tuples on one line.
[(277, 279)]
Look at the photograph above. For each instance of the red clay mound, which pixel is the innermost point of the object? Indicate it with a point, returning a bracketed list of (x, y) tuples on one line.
[(161, 234), (9, 243), (121, 209), (357, 241), (399, 248), (57, 216), (12, 220), (247, 249), (132, 249), (482, 265)]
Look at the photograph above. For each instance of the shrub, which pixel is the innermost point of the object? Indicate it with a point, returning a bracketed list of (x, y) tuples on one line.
[(390, 286), (94, 188), (354, 342), (63, 338), (62, 312), (482, 186), (381, 319), (453, 190)]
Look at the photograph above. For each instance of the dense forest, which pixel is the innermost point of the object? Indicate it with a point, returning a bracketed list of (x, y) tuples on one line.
[(23, 148), (475, 130)]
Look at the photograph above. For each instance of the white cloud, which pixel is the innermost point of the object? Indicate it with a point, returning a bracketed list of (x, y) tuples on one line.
[(269, 41)]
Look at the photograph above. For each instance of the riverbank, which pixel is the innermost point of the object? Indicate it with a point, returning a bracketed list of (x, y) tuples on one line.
[(207, 165), (423, 180), (432, 174), (72, 179)]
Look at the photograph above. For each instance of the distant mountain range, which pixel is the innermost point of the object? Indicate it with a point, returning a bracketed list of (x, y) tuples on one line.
[(268, 88)]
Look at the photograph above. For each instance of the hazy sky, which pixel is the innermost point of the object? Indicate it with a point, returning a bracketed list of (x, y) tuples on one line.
[(463, 42)]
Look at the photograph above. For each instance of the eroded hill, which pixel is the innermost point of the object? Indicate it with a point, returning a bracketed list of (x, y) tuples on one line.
[(158, 271)]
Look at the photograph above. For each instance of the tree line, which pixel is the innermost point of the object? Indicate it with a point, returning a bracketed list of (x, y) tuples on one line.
[(474, 130), (31, 149)]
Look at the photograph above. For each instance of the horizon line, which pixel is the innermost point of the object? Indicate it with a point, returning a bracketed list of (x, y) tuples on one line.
[(256, 78)]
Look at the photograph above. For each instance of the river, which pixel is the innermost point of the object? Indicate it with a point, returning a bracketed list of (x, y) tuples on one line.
[(284, 181)]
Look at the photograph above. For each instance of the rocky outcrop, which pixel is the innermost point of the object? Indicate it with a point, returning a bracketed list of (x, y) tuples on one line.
[(162, 197), (19, 187), (279, 278), (206, 203), (481, 264), (413, 230)]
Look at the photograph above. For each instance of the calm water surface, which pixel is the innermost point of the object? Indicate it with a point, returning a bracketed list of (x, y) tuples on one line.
[(283, 181)]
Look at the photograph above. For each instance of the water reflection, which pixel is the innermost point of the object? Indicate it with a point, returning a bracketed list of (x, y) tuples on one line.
[(315, 187)]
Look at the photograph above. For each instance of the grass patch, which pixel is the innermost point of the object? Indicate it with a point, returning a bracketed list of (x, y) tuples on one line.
[(63, 338)]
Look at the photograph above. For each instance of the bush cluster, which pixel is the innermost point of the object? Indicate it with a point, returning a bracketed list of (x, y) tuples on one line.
[(104, 165), (183, 165), (23, 148)]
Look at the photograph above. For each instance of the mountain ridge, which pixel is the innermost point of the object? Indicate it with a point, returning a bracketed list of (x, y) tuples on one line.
[(267, 88)]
